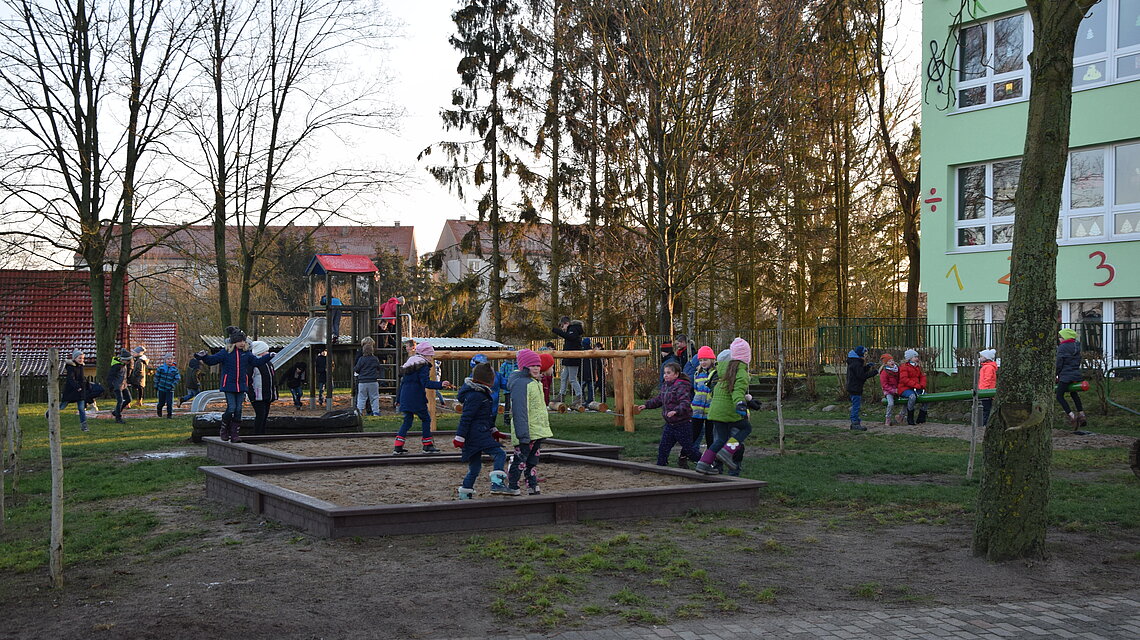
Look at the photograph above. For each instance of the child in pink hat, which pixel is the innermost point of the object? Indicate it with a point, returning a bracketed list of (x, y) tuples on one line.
[(728, 411)]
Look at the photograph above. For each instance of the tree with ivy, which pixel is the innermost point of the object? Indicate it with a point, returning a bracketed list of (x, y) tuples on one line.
[(1017, 448)]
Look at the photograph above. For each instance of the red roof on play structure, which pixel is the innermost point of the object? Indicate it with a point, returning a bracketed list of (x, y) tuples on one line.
[(323, 263), (44, 309)]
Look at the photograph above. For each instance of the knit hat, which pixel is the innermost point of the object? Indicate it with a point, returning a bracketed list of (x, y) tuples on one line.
[(910, 353), (667, 347), (142, 349), (545, 360), (483, 374), (478, 359), (258, 347), (723, 355), (75, 353), (988, 354), (169, 356), (860, 350), (1067, 334), (123, 353), (527, 358), (705, 352), (237, 336), (886, 356), (740, 350), (425, 349)]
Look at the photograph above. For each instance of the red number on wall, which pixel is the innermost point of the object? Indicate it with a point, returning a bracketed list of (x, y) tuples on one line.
[(1103, 265)]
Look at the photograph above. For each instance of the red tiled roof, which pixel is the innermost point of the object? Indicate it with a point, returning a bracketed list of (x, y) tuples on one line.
[(340, 263), (198, 240), (44, 309), (159, 338)]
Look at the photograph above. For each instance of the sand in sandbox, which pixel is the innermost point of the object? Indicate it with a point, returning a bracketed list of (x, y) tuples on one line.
[(331, 447), (410, 484)]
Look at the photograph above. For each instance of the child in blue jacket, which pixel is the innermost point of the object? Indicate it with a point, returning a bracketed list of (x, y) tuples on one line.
[(237, 365), (165, 377), (476, 433), (414, 382)]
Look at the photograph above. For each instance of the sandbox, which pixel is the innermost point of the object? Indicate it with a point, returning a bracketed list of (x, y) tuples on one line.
[(317, 447), (401, 495)]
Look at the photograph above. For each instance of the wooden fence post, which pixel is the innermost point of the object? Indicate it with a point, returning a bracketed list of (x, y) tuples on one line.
[(3, 445), (780, 374), (619, 390), (55, 550), (627, 384), (12, 452)]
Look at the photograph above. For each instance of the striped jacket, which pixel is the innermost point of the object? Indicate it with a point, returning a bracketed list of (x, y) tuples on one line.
[(702, 392), (165, 377)]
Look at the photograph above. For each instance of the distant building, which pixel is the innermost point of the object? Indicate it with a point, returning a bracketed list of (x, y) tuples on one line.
[(44, 309)]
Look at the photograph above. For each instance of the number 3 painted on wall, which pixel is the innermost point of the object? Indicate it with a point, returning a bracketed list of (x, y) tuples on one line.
[(1103, 265)]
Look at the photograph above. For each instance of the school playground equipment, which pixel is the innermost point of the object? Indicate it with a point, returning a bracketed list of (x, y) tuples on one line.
[(946, 396)]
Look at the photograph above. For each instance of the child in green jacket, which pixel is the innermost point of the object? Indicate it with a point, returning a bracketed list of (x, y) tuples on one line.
[(728, 411), (530, 422)]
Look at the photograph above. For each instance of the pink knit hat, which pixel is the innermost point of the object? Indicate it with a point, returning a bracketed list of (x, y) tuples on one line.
[(425, 349), (527, 358), (706, 352), (740, 350)]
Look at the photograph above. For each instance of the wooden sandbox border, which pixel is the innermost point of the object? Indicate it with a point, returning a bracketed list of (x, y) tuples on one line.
[(238, 485), (248, 451)]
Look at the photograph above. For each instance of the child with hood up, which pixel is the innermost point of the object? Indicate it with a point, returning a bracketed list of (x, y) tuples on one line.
[(476, 434), (987, 379), (889, 382), (677, 409), (912, 383), (530, 422), (415, 380), (858, 373)]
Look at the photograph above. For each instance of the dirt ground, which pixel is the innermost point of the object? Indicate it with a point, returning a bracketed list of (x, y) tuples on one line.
[(240, 576)]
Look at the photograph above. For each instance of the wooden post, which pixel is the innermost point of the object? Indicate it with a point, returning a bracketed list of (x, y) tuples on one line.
[(627, 384), (3, 444), (55, 550), (11, 454), (780, 374), (619, 389)]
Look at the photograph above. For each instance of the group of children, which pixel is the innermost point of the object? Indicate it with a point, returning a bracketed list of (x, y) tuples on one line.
[(908, 381)]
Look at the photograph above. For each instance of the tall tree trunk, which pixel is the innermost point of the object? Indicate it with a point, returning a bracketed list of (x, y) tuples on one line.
[(221, 263), (1017, 448), (553, 122)]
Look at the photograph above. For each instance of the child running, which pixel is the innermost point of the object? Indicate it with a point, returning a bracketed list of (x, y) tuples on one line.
[(912, 383), (889, 381), (413, 398), (677, 409), (476, 434), (728, 411), (704, 374), (530, 422)]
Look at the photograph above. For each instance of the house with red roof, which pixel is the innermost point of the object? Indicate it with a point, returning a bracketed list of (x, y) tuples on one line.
[(44, 309)]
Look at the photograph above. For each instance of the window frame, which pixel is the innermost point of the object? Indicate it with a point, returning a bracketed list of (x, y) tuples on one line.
[(990, 78), (1111, 55)]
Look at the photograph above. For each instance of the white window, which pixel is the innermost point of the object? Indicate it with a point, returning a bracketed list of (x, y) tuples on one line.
[(1108, 44), (991, 61), (1100, 201)]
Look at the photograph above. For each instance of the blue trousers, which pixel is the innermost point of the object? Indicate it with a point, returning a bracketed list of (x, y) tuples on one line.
[(856, 404), (673, 434), (190, 393), (233, 405), (424, 417), (475, 464), (82, 406), (722, 431), (166, 398)]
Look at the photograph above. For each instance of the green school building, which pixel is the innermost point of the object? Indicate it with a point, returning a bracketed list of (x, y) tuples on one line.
[(975, 87)]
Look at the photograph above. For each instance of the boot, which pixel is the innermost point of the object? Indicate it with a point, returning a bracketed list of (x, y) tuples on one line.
[(705, 465), (1082, 421), (465, 493), (1074, 422), (910, 417), (725, 455), (235, 431), (499, 483), (921, 416), (224, 432)]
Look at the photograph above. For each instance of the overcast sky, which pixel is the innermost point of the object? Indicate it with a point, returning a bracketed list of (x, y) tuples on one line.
[(422, 65)]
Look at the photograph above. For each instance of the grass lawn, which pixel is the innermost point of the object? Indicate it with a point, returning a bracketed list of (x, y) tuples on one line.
[(819, 472)]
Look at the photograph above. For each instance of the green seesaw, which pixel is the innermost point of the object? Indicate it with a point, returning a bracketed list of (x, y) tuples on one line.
[(946, 396)]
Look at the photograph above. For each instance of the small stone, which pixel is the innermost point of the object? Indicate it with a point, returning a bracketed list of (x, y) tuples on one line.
[(829, 408)]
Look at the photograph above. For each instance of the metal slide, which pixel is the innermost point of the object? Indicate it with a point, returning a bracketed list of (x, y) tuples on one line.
[(312, 333)]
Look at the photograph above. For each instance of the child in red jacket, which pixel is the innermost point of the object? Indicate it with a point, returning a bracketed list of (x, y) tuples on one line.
[(912, 383), (889, 381), (987, 379)]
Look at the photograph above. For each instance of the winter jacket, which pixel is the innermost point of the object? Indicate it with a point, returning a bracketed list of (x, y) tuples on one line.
[(889, 380), (477, 422), (367, 369), (261, 383), (237, 366), (194, 375), (297, 376), (572, 341), (691, 364), (1069, 361), (529, 418), (858, 373), (137, 376), (674, 396), (987, 375), (117, 374), (389, 308), (702, 392), (165, 377), (75, 385), (723, 405), (911, 376), (415, 380), (321, 364)]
